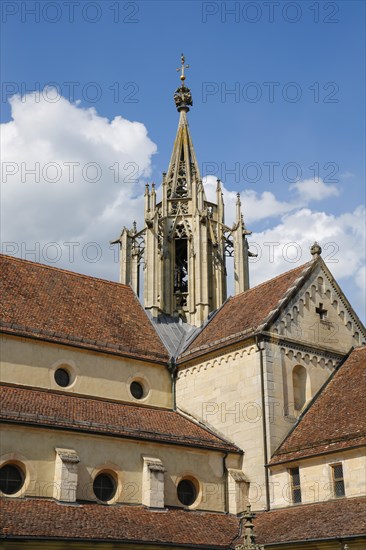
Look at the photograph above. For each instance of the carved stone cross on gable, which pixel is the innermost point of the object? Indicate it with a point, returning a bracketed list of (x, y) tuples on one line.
[(321, 312)]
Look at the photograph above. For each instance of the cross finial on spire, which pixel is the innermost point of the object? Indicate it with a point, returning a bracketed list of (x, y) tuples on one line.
[(183, 66), (182, 96)]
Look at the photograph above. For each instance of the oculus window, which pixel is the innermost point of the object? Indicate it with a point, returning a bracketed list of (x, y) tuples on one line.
[(104, 487), (11, 479), (186, 492)]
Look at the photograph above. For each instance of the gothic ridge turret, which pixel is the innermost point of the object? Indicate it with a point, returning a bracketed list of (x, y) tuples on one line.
[(185, 241)]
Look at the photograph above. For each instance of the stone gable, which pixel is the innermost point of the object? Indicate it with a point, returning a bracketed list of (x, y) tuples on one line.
[(320, 315)]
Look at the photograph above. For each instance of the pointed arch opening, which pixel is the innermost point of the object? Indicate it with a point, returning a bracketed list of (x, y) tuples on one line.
[(181, 266), (299, 384)]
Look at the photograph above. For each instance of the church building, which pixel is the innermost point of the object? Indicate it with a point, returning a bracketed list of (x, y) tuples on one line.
[(158, 412)]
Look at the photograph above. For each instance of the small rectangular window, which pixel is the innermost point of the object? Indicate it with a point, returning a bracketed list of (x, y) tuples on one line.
[(338, 481), (295, 485)]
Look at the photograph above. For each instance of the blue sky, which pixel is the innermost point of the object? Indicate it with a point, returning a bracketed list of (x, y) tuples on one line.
[(297, 69)]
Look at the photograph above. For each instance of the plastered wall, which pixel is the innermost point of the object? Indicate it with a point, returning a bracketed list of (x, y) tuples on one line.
[(35, 448), (32, 363)]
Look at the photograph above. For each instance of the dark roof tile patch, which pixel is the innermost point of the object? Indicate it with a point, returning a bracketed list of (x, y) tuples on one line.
[(59, 410), (336, 419), (65, 307)]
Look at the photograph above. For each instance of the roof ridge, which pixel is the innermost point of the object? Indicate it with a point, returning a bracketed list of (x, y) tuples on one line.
[(328, 442), (63, 270), (301, 272), (301, 267), (361, 347)]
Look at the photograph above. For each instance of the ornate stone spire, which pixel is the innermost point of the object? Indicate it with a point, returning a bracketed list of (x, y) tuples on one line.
[(183, 96), (183, 172), (181, 251), (249, 536)]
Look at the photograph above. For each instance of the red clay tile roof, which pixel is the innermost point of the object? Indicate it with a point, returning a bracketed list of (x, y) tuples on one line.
[(339, 518), (336, 419), (54, 409), (61, 306), (241, 315), (30, 518)]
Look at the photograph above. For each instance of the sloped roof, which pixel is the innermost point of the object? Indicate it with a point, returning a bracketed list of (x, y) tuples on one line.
[(53, 409), (335, 420), (243, 314), (46, 519), (173, 332), (34, 518), (61, 306), (340, 518)]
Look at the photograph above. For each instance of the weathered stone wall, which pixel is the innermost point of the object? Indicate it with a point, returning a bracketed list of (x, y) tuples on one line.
[(224, 392), (279, 364), (335, 329)]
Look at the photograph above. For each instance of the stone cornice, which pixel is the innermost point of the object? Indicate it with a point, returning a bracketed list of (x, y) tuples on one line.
[(301, 346)]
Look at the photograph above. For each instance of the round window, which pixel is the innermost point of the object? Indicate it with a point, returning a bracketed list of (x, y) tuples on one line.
[(104, 487), (11, 479), (137, 390), (186, 491), (62, 377)]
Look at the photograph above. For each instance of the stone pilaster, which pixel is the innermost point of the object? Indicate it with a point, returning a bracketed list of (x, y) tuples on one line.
[(66, 475), (153, 483)]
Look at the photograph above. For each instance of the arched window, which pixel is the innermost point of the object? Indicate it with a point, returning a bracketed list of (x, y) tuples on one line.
[(299, 376)]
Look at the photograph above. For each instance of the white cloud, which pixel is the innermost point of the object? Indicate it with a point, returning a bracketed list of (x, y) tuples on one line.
[(259, 206), (347, 175), (341, 237), (48, 137), (314, 190), (256, 206)]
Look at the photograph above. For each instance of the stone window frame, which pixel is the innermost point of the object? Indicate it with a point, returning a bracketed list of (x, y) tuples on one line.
[(17, 460), (199, 490), (113, 471), (334, 480), (143, 380), (294, 487), (71, 369)]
